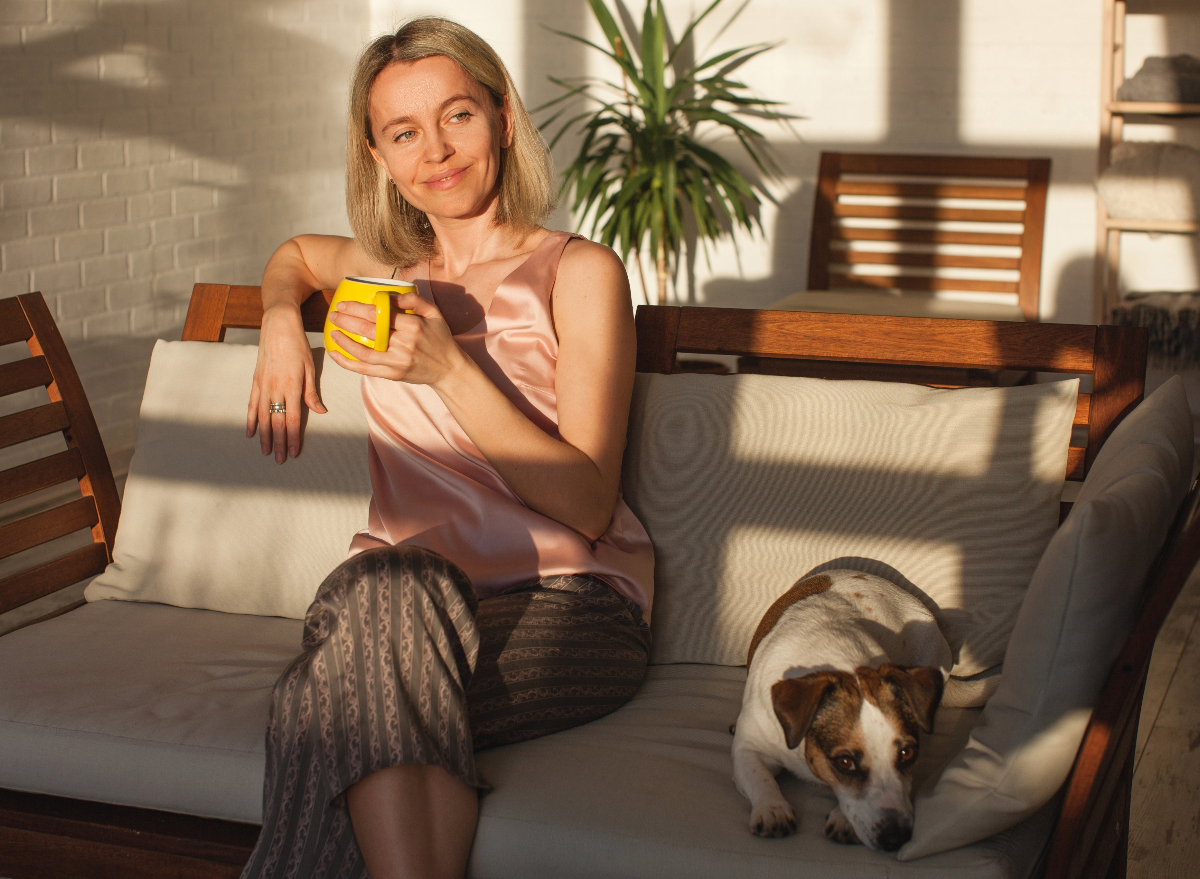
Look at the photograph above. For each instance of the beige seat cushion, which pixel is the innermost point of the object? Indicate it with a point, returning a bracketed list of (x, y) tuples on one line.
[(143, 705), (905, 305), (165, 708), (206, 520), (746, 483), (648, 792)]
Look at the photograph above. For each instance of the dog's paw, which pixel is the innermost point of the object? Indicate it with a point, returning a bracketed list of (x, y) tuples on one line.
[(773, 820), (839, 829)]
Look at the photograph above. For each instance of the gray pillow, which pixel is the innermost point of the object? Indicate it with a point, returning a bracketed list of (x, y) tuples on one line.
[(1080, 608)]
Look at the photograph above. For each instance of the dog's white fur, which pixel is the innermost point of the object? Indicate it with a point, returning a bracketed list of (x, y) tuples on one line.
[(859, 621)]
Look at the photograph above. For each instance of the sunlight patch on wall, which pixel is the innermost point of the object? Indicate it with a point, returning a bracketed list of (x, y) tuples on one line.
[(1007, 60)]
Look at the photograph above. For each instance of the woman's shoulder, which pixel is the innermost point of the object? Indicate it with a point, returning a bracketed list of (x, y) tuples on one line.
[(581, 256), (590, 276)]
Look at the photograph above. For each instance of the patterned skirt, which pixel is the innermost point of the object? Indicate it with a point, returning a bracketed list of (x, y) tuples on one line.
[(402, 664)]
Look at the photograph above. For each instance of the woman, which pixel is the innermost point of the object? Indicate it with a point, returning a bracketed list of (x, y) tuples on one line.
[(500, 589)]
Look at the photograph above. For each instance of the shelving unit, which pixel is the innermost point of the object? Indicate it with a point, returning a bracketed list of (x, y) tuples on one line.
[(1113, 114)]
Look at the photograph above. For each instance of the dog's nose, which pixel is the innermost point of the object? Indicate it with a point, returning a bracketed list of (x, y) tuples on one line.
[(894, 831)]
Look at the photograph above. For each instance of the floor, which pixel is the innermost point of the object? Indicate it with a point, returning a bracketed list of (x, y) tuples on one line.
[(1164, 829)]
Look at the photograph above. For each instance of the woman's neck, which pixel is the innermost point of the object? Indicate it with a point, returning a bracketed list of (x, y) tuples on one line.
[(468, 241)]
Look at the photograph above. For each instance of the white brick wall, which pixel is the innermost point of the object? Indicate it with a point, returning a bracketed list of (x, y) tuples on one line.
[(146, 145)]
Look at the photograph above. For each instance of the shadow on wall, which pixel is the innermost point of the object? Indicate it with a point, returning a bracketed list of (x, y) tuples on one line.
[(168, 142)]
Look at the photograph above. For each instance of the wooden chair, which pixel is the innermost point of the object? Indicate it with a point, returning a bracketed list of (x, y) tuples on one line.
[(83, 462), (918, 225), (46, 836), (924, 224)]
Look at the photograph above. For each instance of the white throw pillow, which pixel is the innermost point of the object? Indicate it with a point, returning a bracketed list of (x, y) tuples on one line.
[(207, 520), (1080, 608), (745, 483)]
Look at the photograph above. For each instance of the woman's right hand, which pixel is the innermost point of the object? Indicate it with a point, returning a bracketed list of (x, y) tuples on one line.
[(284, 374)]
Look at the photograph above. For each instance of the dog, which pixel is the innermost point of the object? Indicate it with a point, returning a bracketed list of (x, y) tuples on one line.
[(845, 670)]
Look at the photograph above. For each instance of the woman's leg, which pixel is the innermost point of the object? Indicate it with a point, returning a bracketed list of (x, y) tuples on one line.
[(389, 643), (414, 820), (554, 653)]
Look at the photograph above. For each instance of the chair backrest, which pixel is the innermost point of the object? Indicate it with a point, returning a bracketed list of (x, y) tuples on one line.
[(930, 223), (89, 499)]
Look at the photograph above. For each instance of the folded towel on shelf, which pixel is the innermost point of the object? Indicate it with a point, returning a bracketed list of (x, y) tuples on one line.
[(1152, 181), (1174, 323), (1173, 79)]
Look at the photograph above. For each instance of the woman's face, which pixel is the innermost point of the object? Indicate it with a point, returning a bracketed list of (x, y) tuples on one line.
[(439, 136)]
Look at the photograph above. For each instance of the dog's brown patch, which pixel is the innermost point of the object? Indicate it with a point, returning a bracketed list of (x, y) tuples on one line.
[(836, 732), (859, 577), (803, 589), (907, 697)]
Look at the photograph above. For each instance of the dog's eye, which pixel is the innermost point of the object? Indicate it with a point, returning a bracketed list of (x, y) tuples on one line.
[(845, 764), (908, 753)]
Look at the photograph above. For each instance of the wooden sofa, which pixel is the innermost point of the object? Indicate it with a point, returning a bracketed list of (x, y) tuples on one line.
[(43, 836)]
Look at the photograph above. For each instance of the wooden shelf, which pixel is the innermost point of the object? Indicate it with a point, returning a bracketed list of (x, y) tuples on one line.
[(1113, 116), (1153, 108), (1177, 227)]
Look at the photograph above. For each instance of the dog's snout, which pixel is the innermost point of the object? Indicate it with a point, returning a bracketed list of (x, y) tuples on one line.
[(894, 831)]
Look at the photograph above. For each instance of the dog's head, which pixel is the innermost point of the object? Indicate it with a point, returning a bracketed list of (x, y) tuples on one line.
[(860, 734)]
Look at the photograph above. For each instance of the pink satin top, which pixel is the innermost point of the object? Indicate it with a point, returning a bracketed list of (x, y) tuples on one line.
[(433, 488)]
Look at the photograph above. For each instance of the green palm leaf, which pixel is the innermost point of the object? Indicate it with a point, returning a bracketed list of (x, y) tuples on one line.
[(641, 175)]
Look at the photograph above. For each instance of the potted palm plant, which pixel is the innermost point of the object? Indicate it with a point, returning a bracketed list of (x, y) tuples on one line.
[(646, 168)]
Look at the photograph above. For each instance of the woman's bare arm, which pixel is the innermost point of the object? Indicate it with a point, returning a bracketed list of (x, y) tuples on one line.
[(284, 372), (575, 479)]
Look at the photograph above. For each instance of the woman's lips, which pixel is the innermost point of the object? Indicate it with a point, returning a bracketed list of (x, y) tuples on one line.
[(446, 179)]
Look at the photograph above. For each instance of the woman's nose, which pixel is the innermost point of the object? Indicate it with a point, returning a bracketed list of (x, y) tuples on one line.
[(437, 149)]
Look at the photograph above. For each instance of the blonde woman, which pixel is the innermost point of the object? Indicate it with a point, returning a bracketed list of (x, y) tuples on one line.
[(501, 587)]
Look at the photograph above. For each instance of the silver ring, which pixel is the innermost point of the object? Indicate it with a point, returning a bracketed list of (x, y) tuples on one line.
[(278, 408)]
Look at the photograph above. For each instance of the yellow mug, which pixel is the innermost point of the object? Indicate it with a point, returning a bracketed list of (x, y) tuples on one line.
[(372, 291)]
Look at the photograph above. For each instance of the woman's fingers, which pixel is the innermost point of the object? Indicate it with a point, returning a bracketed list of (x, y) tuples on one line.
[(252, 408), (284, 381)]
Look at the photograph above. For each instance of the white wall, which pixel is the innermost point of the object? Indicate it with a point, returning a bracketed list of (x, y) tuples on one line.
[(146, 145)]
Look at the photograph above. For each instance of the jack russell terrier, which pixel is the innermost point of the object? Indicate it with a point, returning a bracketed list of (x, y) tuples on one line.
[(843, 670)]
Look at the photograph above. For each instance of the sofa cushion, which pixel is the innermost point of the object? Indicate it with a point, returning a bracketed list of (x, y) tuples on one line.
[(648, 792), (164, 707), (1081, 605), (143, 705), (745, 483), (208, 521)]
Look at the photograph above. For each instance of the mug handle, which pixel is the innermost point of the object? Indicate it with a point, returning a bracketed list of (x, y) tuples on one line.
[(383, 320)]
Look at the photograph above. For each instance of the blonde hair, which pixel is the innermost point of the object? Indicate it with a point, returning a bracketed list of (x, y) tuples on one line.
[(387, 227)]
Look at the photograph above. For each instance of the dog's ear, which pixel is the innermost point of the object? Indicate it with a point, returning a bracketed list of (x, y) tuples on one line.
[(922, 687), (796, 700)]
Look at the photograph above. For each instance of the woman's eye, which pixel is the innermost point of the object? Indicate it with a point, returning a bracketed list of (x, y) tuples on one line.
[(461, 116), (402, 136)]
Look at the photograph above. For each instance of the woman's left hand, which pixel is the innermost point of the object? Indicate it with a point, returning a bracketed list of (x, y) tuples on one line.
[(421, 350)]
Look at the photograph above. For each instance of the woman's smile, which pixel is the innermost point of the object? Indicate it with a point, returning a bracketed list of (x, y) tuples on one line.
[(446, 179)]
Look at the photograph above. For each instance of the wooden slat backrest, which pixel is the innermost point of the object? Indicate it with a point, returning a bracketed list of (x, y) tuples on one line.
[(901, 202), (84, 462)]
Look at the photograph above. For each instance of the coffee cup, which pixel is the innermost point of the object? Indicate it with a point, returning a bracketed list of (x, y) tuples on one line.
[(372, 291)]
